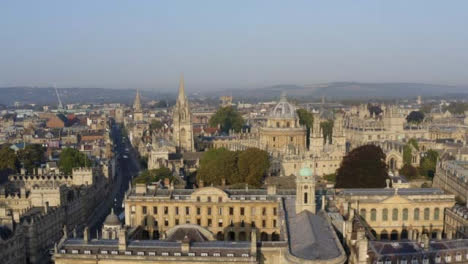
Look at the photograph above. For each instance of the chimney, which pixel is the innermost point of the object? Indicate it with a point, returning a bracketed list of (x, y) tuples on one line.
[(425, 241), (122, 239), (23, 192), (271, 189), (46, 207), (185, 246), (65, 232), (86, 235), (253, 242), (140, 188), (23, 171)]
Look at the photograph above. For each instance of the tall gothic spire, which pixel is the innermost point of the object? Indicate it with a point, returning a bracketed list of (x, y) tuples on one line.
[(181, 96), (137, 102)]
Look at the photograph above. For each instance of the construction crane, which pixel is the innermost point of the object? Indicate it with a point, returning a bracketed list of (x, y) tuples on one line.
[(60, 105)]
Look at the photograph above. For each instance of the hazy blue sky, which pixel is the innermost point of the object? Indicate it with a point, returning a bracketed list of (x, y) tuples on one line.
[(228, 44)]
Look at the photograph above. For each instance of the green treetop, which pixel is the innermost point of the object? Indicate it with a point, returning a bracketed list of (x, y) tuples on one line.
[(72, 158), (227, 118)]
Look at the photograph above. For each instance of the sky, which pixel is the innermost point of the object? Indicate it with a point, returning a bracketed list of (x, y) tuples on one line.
[(231, 44)]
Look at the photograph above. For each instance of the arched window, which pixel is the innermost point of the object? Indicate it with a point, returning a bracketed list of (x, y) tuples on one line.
[(405, 214), (385, 214), (363, 213), (426, 213), (373, 215), (436, 214), (306, 200), (416, 214), (395, 214)]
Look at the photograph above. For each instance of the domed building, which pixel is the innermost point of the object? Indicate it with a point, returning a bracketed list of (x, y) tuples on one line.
[(111, 226), (282, 130)]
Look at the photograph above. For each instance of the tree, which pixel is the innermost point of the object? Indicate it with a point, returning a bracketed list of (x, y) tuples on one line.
[(216, 165), (227, 118), (415, 117), (8, 159), (409, 171), (363, 167), (253, 164), (428, 163), (149, 176), (327, 130), (306, 119), (155, 125), (31, 157), (456, 108), (408, 151), (71, 158)]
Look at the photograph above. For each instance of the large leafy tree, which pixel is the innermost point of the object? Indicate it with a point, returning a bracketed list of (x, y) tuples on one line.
[(457, 107), (253, 164), (149, 176), (415, 117), (409, 171), (363, 167), (306, 119), (428, 163), (216, 165), (8, 159), (227, 118), (31, 157), (71, 158), (248, 166), (327, 130)]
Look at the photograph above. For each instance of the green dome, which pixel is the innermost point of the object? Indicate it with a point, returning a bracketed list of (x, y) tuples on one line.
[(305, 172)]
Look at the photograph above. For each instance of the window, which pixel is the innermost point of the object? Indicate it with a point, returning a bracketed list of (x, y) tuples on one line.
[(143, 209), (292, 139), (274, 139), (220, 211), (166, 222), (187, 210), (373, 215), (220, 199), (263, 223), (426, 213), (242, 211), (253, 211), (363, 213), (199, 221), (385, 214), (177, 221), (166, 210), (274, 223), (177, 210), (436, 214), (198, 211), (395, 214), (253, 224), (209, 210), (416, 214), (209, 222), (274, 210), (306, 198), (209, 198), (242, 223), (405, 214), (263, 211), (220, 223), (198, 198), (155, 210), (231, 210)]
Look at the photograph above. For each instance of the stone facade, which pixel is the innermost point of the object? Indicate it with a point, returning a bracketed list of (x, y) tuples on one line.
[(394, 214), (452, 176), (456, 222)]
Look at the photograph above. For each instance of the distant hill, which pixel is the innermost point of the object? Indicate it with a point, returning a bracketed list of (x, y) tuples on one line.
[(41, 96), (350, 90)]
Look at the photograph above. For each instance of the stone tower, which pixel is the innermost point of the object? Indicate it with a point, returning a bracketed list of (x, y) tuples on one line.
[(137, 111), (183, 132), (305, 191)]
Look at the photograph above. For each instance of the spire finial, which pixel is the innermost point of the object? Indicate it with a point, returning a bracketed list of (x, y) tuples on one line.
[(181, 87)]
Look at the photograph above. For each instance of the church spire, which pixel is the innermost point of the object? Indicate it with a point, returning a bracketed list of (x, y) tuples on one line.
[(137, 102), (181, 96)]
